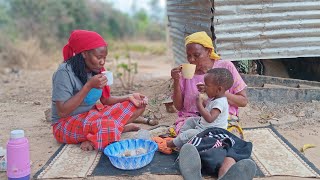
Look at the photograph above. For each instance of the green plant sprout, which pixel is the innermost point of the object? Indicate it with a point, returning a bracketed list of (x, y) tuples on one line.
[(126, 72)]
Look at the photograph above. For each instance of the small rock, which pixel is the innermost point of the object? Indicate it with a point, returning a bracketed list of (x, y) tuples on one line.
[(284, 120), (263, 121), (301, 114), (266, 116), (7, 70), (47, 114), (157, 115), (316, 115), (36, 103)]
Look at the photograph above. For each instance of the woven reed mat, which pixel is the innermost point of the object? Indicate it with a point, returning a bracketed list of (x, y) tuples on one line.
[(275, 156), (69, 162)]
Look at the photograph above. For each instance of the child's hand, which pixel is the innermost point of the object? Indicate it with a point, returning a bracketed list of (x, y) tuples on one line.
[(203, 96), (199, 98)]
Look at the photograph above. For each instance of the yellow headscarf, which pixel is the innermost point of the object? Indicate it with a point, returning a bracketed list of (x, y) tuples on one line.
[(203, 39)]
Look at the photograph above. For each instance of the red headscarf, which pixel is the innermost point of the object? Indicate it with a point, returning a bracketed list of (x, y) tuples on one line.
[(82, 40)]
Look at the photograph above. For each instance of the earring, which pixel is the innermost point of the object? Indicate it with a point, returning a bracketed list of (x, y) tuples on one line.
[(83, 55)]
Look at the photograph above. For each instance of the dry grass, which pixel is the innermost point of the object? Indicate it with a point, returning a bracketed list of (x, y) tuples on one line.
[(121, 48), (28, 54), (25, 54)]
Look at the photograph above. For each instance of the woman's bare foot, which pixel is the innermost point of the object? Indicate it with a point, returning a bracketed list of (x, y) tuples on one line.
[(86, 146), (131, 127), (152, 122), (146, 121)]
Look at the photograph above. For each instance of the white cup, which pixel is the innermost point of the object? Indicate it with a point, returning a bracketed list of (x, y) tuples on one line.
[(109, 76), (188, 70)]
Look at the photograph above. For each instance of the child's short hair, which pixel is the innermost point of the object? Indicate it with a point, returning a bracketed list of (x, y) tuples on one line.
[(221, 77)]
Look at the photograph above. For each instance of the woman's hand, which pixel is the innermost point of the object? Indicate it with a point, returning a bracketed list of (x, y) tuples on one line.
[(138, 99), (201, 87), (239, 99), (177, 96), (66, 108), (138, 96), (176, 73), (98, 81)]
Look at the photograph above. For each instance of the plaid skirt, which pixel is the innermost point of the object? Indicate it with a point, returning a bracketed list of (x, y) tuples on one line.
[(101, 126)]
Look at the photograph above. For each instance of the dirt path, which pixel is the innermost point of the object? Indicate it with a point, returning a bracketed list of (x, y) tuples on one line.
[(26, 95)]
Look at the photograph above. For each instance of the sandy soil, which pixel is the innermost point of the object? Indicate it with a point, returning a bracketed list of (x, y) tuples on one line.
[(25, 95)]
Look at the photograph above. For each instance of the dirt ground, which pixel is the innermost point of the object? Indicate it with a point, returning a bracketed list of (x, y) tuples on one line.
[(26, 94)]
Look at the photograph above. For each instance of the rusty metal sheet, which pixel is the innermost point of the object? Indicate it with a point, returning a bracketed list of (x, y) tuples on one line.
[(186, 17), (267, 29), (249, 29)]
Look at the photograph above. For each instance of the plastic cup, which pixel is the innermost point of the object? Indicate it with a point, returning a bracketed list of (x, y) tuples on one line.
[(188, 70), (109, 76)]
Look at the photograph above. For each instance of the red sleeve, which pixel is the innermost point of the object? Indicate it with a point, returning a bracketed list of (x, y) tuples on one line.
[(106, 92), (106, 89)]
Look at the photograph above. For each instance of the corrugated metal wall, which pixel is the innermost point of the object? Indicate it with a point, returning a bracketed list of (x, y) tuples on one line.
[(250, 29), (186, 17), (267, 29)]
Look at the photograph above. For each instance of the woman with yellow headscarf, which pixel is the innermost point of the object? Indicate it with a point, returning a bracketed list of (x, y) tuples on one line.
[(200, 52)]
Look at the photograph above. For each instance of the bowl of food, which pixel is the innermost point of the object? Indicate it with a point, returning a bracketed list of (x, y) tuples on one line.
[(131, 154)]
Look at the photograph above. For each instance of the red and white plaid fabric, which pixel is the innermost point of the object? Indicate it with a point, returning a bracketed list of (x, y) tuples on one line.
[(101, 125)]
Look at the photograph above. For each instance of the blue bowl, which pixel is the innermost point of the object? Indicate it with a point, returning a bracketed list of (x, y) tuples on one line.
[(116, 151)]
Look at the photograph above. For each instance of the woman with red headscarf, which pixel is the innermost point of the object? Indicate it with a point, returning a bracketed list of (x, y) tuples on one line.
[(76, 87)]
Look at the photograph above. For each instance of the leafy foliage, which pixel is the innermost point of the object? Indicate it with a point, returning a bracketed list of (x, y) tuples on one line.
[(45, 26), (49, 19)]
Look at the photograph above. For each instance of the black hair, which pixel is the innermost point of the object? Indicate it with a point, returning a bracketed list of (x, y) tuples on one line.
[(221, 77), (78, 66)]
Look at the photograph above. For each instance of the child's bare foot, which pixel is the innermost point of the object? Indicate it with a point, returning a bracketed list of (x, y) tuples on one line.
[(170, 144), (130, 127), (86, 146)]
